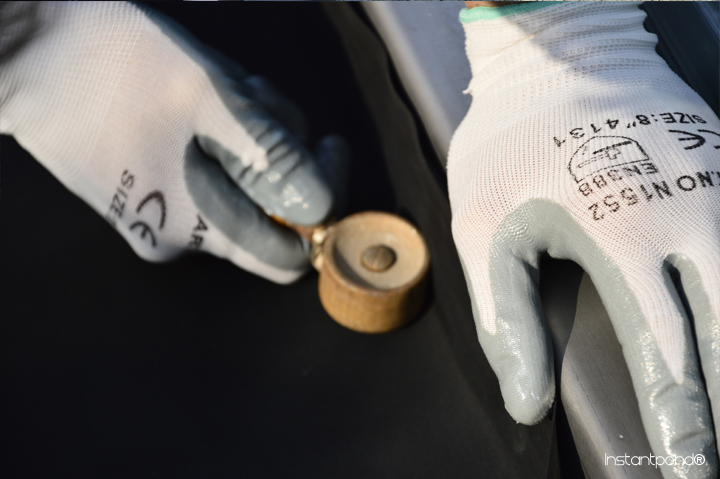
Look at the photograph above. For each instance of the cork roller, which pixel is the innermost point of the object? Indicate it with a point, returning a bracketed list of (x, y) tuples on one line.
[(373, 270)]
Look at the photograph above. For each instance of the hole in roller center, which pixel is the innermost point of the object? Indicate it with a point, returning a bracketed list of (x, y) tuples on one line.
[(378, 258), (355, 235)]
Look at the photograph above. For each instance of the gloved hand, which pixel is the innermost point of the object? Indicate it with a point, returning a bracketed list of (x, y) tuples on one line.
[(582, 143), (171, 142)]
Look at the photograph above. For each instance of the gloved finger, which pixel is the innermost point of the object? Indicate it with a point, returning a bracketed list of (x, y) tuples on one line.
[(653, 328), (700, 279), (506, 307), (263, 159), (332, 155), (233, 227), (280, 107)]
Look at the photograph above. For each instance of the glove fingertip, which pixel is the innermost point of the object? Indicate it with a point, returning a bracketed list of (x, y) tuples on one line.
[(529, 404), (306, 199)]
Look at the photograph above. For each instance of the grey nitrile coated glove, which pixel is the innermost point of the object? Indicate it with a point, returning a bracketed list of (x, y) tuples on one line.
[(580, 142), (172, 143)]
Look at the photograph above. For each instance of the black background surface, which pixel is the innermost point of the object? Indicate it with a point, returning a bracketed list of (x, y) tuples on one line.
[(114, 367)]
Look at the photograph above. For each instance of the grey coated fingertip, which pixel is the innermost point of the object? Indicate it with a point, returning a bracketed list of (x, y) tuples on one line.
[(519, 350), (523, 366), (305, 198), (291, 187), (526, 402), (229, 210), (522, 347)]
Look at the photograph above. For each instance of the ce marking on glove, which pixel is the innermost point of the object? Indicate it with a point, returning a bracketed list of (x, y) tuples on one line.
[(146, 230), (696, 137), (119, 200)]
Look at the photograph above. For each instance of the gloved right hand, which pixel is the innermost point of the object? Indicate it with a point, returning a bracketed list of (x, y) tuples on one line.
[(173, 144)]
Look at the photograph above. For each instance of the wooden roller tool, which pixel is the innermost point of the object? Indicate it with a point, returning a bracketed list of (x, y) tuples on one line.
[(373, 270)]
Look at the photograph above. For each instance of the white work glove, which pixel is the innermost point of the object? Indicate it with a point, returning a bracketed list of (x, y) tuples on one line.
[(582, 143), (171, 142)]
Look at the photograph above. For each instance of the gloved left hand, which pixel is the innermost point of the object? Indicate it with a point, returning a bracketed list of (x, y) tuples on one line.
[(580, 142), (171, 142)]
